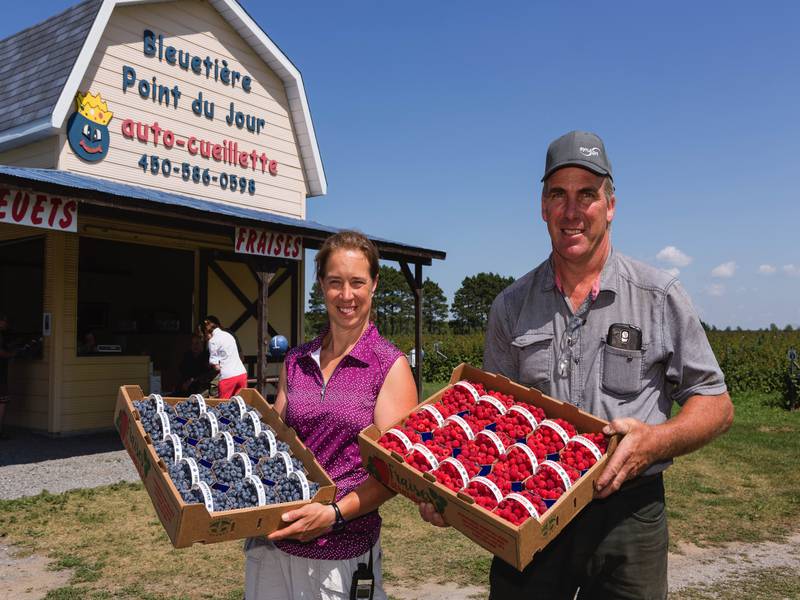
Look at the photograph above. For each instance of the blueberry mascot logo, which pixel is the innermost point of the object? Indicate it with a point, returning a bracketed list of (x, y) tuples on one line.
[(87, 128)]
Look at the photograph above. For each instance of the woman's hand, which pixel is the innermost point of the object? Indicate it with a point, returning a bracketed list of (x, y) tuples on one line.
[(308, 522)]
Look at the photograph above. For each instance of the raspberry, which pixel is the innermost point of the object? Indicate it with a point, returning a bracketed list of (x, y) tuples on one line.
[(392, 442), (458, 399), (514, 511), (598, 439), (449, 476), (516, 425), (423, 420), (501, 481), (538, 413), (420, 461), (506, 399), (438, 450), (482, 494), (547, 438), (452, 435), (538, 446), (578, 456), (483, 450), (487, 411), (548, 483), (514, 465)]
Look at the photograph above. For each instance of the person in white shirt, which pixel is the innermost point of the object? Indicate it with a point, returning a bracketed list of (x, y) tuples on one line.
[(224, 357)]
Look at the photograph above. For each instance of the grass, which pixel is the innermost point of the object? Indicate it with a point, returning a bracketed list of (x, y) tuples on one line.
[(743, 487), (765, 584), (429, 388)]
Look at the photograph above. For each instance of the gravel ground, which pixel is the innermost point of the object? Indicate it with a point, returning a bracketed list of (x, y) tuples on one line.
[(30, 463)]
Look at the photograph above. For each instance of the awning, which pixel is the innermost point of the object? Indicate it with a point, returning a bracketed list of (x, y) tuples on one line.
[(122, 196)]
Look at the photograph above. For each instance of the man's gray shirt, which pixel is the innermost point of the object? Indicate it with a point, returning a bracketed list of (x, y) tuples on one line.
[(532, 328)]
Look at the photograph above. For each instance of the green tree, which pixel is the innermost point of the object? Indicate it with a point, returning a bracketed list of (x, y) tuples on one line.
[(393, 303), (434, 306), (316, 315), (474, 298)]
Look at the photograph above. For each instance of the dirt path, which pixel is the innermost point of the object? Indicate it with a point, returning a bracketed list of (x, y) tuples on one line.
[(695, 566), (27, 578), (705, 566)]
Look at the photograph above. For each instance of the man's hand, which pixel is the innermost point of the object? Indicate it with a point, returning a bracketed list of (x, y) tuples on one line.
[(428, 513), (635, 452), (310, 521)]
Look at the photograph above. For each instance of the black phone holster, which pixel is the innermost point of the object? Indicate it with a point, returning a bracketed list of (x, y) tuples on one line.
[(363, 585)]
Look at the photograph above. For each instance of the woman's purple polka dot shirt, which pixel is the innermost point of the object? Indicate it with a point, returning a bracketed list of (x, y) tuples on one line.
[(328, 418)]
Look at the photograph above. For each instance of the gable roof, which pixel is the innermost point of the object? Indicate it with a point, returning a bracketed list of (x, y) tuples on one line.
[(34, 64)]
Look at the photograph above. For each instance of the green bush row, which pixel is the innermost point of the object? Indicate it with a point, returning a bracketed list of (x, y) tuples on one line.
[(751, 360), (453, 349), (754, 360)]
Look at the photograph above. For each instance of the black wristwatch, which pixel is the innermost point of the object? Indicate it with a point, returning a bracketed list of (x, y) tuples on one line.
[(340, 522)]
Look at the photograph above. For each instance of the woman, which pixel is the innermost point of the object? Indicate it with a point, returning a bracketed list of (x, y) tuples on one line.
[(223, 352), (329, 390)]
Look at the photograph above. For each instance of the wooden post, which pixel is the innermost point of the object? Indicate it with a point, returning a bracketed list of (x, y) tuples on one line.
[(264, 277), (415, 283), (418, 327)]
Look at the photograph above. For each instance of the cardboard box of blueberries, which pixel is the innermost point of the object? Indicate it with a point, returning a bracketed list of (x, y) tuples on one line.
[(217, 470)]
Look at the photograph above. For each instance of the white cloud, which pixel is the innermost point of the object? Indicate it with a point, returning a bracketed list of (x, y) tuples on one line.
[(715, 289), (672, 256), (725, 270), (766, 269), (674, 271), (791, 270)]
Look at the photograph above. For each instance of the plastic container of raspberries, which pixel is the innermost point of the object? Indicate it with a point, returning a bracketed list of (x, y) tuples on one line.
[(217, 470), (506, 465), (426, 420)]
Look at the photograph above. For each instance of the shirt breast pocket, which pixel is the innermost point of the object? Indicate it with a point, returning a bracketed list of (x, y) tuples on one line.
[(535, 358), (622, 370)]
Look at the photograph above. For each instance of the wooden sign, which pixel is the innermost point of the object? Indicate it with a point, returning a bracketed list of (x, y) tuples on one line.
[(268, 243), (34, 209)]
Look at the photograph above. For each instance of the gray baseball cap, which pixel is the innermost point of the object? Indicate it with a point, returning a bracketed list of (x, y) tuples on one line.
[(580, 149)]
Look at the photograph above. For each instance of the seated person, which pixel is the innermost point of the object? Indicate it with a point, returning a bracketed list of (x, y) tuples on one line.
[(195, 371), (88, 344)]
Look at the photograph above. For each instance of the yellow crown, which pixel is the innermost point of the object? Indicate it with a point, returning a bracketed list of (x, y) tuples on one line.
[(93, 108)]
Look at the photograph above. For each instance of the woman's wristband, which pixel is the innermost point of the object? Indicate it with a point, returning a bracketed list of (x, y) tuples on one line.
[(339, 523)]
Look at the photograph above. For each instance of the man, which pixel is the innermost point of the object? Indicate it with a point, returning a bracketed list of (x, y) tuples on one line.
[(552, 329), (224, 357), (195, 370)]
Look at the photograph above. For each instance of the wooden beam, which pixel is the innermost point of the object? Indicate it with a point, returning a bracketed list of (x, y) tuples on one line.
[(264, 278), (279, 281), (415, 283), (229, 283), (203, 285), (295, 294), (418, 328)]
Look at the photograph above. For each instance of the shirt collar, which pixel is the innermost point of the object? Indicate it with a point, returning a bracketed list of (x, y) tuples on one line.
[(361, 351), (606, 281)]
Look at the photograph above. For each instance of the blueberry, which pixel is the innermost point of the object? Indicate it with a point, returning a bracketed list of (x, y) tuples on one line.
[(229, 410)]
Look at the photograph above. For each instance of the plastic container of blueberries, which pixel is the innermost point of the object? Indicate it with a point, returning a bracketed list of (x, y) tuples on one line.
[(187, 524)]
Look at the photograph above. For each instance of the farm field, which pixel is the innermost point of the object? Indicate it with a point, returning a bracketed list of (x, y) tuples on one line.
[(753, 361), (744, 487)]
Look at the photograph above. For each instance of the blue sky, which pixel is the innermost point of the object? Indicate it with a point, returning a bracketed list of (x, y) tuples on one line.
[(433, 119)]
